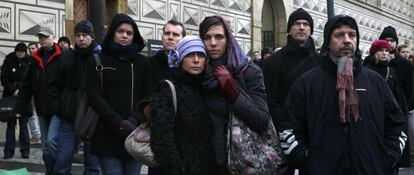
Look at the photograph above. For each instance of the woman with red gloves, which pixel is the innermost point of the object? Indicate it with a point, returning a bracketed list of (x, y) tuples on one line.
[(231, 84)]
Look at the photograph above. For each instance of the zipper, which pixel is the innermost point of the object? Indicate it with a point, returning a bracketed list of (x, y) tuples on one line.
[(132, 87)]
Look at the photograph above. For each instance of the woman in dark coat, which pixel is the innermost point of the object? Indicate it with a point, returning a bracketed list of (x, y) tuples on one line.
[(379, 54), (180, 139), (126, 79), (232, 85)]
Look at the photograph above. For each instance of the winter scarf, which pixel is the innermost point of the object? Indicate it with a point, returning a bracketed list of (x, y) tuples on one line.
[(348, 99), (121, 51)]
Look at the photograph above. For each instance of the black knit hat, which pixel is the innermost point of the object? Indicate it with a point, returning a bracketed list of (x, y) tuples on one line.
[(85, 27), (389, 32), (20, 47), (297, 15)]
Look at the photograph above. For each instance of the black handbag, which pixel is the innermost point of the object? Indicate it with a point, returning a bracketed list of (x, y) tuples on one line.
[(86, 118), (7, 106)]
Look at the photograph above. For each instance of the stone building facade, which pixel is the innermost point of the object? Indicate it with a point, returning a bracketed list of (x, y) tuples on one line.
[(255, 23)]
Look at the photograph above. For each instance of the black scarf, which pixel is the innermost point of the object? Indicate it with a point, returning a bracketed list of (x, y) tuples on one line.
[(83, 53), (121, 51)]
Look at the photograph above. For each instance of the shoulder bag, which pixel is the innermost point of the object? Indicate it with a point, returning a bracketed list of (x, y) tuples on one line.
[(86, 118), (138, 142), (250, 152)]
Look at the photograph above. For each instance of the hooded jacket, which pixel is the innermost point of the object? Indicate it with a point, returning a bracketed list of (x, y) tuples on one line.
[(35, 82), (12, 72), (125, 82), (319, 143), (282, 69), (64, 86)]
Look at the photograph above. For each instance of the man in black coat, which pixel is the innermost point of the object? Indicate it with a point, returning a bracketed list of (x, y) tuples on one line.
[(283, 67), (34, 84), (63, 90), (12, 73), (342, 118), (172, 33), (405, 76)]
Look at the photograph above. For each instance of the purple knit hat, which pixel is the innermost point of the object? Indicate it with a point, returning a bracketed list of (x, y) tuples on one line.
[(186, 46)]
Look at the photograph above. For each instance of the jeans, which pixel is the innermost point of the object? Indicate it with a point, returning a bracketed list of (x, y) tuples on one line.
[(119, 166), (91, 163), (50, 130), (67, 146), (24, 141), (34, 126)]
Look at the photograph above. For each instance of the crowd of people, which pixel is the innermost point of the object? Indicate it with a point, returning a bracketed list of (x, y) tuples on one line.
[(335, 112)]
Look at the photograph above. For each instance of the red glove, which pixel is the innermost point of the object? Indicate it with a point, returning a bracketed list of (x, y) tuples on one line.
[(227, 83)]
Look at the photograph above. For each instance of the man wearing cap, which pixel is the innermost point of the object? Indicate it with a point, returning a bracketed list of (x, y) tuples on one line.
[(405, 75), (342, 117), (12, 73), (34, 84), (282, 69), (62, 94)]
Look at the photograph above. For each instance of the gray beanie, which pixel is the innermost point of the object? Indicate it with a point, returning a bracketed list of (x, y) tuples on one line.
[(85, 27)]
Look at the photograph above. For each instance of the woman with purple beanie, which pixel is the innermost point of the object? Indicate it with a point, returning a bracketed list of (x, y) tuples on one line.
[(180, 139)]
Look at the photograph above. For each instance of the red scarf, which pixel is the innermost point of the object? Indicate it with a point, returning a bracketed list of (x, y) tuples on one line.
[(348, 99)]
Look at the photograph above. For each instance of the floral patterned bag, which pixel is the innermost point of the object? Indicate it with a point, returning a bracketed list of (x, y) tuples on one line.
[(252, 153)]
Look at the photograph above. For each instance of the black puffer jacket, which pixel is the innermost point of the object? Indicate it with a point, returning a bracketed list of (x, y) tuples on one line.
[(34, 84), (65, 85), (12, 72), (181, 142), (282, 69), (125, 82)]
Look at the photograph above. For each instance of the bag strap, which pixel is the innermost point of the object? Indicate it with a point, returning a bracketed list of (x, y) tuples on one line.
[(388, 74), (99, 64), (174, 94)]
